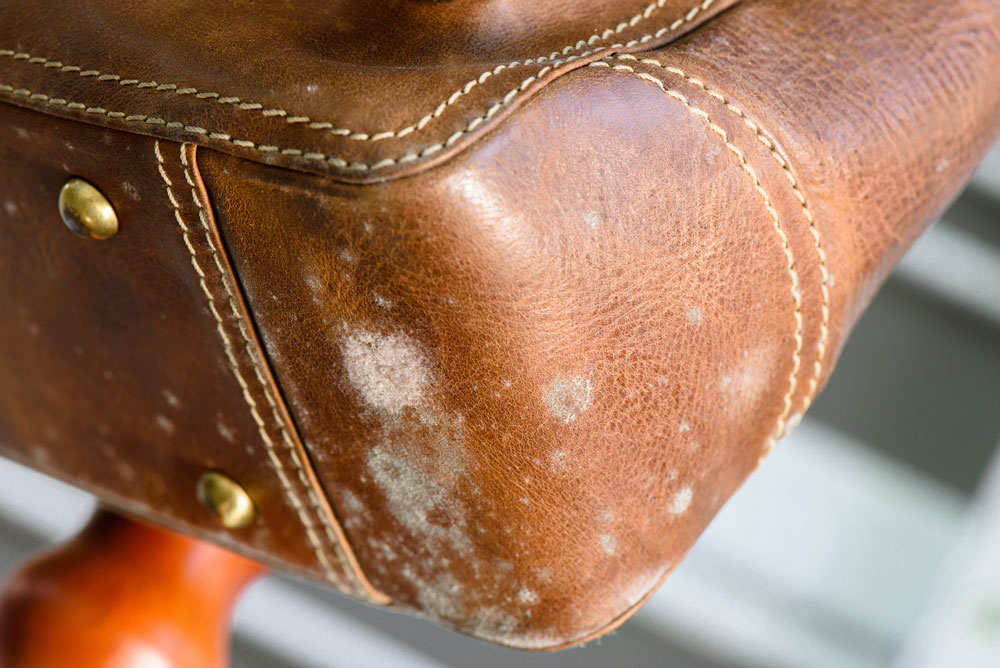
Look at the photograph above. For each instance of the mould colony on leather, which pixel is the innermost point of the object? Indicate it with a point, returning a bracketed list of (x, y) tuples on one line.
[(566, 398), (420, 465)]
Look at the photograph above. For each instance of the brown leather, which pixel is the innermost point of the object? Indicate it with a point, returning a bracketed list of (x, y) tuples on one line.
[(528, 374), (363, 90)]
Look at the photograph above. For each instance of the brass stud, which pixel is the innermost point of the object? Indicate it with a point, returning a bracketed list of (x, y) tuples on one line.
[(86, 211), (224, 497)]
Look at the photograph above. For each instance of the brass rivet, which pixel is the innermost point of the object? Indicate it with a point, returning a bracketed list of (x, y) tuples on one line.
[(224, 497), (86, 211)]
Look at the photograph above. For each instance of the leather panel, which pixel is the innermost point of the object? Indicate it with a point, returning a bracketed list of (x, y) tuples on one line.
[(113, 374)]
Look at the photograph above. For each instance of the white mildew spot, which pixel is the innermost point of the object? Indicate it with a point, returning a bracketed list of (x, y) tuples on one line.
[(347, 255), (10, 208), (439, 598), (21, 132), (388, 370), (352, 503), (684, 427), (164, 423), (40, 454), (225, 431), (608, 543), (591, 219), (566, 399), (694, 317), (131, 191), (171, 399), (527, 596), (382, 302), (726, 381), (494, 623), (413, 496), (681, 501), (557, 461)]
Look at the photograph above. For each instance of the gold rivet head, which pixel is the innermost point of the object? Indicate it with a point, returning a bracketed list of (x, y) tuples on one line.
[(224, 497), (86, 211)]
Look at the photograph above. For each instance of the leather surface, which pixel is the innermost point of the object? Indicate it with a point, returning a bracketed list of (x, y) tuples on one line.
[(528, 374), (362, 90)]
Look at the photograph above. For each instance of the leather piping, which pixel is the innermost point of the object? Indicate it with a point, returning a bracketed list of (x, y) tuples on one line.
[(795, 288), (772, 149)]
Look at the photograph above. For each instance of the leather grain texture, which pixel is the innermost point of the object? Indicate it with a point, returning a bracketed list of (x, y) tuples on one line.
[(519, 382)]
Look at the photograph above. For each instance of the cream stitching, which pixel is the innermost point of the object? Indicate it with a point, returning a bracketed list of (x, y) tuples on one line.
[(286, 438), (813, 229), (234, 367), (290, 118), (789, 257)]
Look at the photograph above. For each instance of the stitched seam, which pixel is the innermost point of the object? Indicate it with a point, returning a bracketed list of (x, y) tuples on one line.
[(278, 419), (242, 143), (423, 121), (786, 248), (234, 367), (806, 213)]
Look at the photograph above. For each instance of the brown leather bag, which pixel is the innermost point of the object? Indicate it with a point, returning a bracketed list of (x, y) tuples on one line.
[(487, 306)]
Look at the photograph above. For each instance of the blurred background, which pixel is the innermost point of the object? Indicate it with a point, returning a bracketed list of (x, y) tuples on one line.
[(870, 538)]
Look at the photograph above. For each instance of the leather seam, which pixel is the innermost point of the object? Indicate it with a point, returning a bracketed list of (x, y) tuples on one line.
[(227, 345), (282, 424), (795, 290), (814, 232), (420, 124)]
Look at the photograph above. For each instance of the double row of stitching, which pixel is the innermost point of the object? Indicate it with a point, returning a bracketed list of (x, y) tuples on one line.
[(824, 328), (548, 62), (794, 286), (234, 366)]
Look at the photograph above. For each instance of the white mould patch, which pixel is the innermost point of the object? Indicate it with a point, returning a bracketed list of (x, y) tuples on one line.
[(682, 499), (527, 596), (414, 497), (164, 423), (389, 371), (131, 191), (608, 543), (225, 431), (591, 219), (172, 400), (694, 317), (10, 208), (382, 302), (566, 399)]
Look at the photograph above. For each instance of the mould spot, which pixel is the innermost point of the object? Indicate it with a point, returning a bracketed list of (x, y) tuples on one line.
[(527, 596), (681, 501), (388, 370), (171, 399), (608, 543), (225, 431), (591, 219), (413, 496), (566, 399), (164, 423), (694, 317)]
